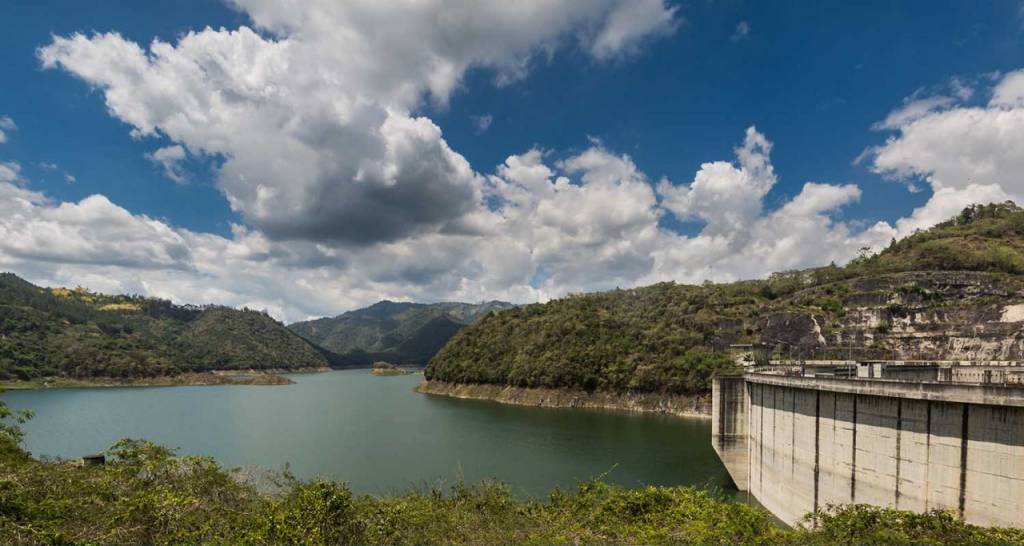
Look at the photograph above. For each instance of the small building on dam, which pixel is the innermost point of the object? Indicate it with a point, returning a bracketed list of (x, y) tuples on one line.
[(799, 441)]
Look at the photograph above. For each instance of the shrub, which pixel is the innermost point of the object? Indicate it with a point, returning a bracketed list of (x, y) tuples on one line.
[(147, 495)]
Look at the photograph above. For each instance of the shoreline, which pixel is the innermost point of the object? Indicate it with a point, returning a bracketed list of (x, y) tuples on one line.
[(270, 376), (666, 404)]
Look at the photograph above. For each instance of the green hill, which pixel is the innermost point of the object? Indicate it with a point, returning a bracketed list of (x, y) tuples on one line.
[(403, 333), (949, 292), (76, 333)]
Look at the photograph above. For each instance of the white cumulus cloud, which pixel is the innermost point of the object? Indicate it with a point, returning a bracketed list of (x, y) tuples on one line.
[(913, 110), (313, 120), (629, 23), (170, 158), (962, 147), (726, 196), (92, 231), (349, 193), (587, 222), (10, 171)]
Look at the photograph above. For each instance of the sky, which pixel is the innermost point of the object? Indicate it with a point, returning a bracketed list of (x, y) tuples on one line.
[(312, 157)]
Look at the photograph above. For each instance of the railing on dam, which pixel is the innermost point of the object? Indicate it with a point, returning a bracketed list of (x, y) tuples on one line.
[(801, 442), (987, 372)]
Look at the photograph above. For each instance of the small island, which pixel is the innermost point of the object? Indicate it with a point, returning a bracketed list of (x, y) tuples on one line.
[(382, 368)]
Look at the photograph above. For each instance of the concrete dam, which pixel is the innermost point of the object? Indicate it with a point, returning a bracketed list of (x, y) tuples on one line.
[(798, 442)]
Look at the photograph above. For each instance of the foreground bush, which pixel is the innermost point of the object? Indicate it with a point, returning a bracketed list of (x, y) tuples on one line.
[(862, 524), (146, 495)]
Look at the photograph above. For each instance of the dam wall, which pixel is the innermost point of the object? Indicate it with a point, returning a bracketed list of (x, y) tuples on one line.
[(729, 434), (800, 443)]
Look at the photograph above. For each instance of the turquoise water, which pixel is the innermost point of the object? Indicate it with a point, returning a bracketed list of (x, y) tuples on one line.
[(377, 434)]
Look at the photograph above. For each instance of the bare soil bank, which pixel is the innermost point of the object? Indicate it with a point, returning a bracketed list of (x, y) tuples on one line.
[(219, 377), (672, 404)]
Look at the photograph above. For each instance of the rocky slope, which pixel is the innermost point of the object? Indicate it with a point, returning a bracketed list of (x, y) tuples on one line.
[(945, 315), (955, 291), (397, 332)]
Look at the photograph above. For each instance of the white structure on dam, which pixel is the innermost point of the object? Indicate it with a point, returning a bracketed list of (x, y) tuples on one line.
[(800, 443)]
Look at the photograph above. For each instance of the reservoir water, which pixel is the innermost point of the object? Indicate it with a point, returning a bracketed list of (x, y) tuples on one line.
[(377, 434)]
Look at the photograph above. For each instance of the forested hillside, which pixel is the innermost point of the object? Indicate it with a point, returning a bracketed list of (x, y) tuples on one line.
[(81, 334), (949, 292), (396, 332)]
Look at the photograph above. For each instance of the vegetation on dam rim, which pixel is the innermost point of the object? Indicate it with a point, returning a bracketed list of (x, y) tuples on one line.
[(671, 338), (147, 495)]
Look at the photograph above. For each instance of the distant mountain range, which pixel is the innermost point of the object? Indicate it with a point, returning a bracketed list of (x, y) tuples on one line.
[(79, 334), (396, 332)]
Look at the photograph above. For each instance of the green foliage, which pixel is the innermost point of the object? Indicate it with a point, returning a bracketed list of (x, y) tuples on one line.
[(81, 334), (660, 338), (600, 513), (405, 333), (387, 368), (980, 238), (318, 512), (863, 524), (10, 432), (671, 338), (147, 495), (691, 372)]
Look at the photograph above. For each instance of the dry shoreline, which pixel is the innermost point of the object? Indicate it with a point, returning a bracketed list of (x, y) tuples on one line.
[(215, 377), (669, 404)]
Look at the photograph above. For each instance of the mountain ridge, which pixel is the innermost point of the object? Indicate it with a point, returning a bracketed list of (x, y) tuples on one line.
[(79, 334), (405, 333)]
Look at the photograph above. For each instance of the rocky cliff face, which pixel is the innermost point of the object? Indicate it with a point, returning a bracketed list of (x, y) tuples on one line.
[(951, 292), (912, 315)]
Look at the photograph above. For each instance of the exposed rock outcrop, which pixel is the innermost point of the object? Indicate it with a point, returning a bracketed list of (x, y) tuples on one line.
[(929, 315)]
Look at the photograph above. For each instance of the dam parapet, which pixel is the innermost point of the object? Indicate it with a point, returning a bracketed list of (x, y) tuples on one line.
[(801, 439)]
